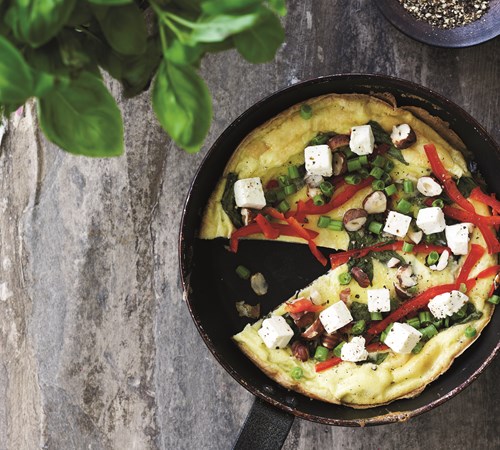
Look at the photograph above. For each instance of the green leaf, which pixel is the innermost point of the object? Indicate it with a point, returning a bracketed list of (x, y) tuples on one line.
[(260, 43), (71, 49), (16, 80), (180, 53), (125, 29), (387, 255), (217, 28), (37, 21), (279, 6), (110, 2), (227, 6), (397, 154), (365, 264), (229, 203), (360, 311), (182, 104), (83, 118), (465, 186)]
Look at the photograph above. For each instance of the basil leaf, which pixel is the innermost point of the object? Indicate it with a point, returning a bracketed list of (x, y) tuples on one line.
[(228, 202), (380, 358), (260, 43), (217, 28), (360, 311), (386, 255), (365, 264), (82, 118), (124, 28), (16, 80), (465, 186), (37, 21), (224, 6), (71, 49), (279, 6), (382, 137), (110, 2), (397, 154), (472, 314), (182, 104), (180, 53)]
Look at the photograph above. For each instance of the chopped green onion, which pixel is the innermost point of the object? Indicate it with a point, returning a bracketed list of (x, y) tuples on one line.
[(337, 351), (363, 159), (429, 332), (384, 333), (414, 322), (418, 347), (408, 186), (460, 314), (327, 188), (379, 161), (306, 111), (376, 316), (412, 290), (323, 221), (353, 179), (386, 178), (280, 195), (284, 180), (297, 373), (364, 173), (425, 318), (389, 165), (447, 322), (470, 332), (430, 238), (438, 203), (378, 185), (438, 323), (348, 152), (283, 207), (336, 225), (403, 206), (432, 258), (391, 189), (290, 189), (495, 299), (353, 165), (407, 247), (376, 227), (358, 328), (243, 272), (321, 353), (318, 200), (345, 278), (377, 172), (299, 183), (293, 172)]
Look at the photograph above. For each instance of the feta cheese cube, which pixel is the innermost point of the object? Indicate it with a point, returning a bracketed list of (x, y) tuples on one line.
[(443, 261), (379, 300), (428, 186), (248, 193), (275, 332), (362, 140), (397, 224), (431, 220), (457, 237), (335, 317), (354, 351), (318, 159), (402, 338), (447, 304)]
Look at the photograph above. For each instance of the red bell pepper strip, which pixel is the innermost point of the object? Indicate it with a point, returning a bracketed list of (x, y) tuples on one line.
[(475, 254), (266, 227), (337, 259), (302, 305), (480, 196), (466, 216), (414, 304), (254, 228), (443, 175), (332, 362), (486, 273)]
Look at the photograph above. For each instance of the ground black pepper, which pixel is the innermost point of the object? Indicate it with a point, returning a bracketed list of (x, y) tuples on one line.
[(446, 13)]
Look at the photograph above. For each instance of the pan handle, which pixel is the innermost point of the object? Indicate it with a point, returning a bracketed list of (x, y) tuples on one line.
[(265, 428)]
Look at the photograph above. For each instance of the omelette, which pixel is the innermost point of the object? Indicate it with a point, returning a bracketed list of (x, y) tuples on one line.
[(411, 276)]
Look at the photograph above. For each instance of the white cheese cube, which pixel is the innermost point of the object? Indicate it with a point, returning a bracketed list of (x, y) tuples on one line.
[(431, 220), (335, 317), (362, 140), (446, 304), (402, 338), (318, 159), (379, 300), (442, 262), (397, 224), (275, 332), (248, 193), (457, 237), (354, 351), (428, 186)]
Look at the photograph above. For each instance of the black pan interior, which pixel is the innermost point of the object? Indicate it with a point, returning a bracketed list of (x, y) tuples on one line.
[(212, 287)]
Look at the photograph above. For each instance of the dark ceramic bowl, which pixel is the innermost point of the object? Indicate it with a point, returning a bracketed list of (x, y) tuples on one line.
[(482, 30), (211, 286)]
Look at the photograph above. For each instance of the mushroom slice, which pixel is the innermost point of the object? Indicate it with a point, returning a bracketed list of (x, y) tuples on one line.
[(442, 262), (361, 277), (340, 140), (401, 292), (405, 276), (314, 330), (339, 163), (375, 203), (403, 136), (354, 219)]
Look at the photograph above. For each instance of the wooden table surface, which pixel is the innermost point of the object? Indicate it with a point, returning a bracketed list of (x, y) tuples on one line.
[(97, 348)]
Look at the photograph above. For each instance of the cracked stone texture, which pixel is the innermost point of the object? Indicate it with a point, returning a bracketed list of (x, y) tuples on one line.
[(97, 349)]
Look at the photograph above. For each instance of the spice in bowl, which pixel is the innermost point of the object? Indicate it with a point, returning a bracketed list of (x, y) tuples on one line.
[(446, 13)]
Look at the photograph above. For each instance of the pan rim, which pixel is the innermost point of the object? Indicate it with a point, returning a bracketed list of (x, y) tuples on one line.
[(366, 78)]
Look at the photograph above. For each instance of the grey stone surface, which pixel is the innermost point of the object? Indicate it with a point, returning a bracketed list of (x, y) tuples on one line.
[(97, 348)]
